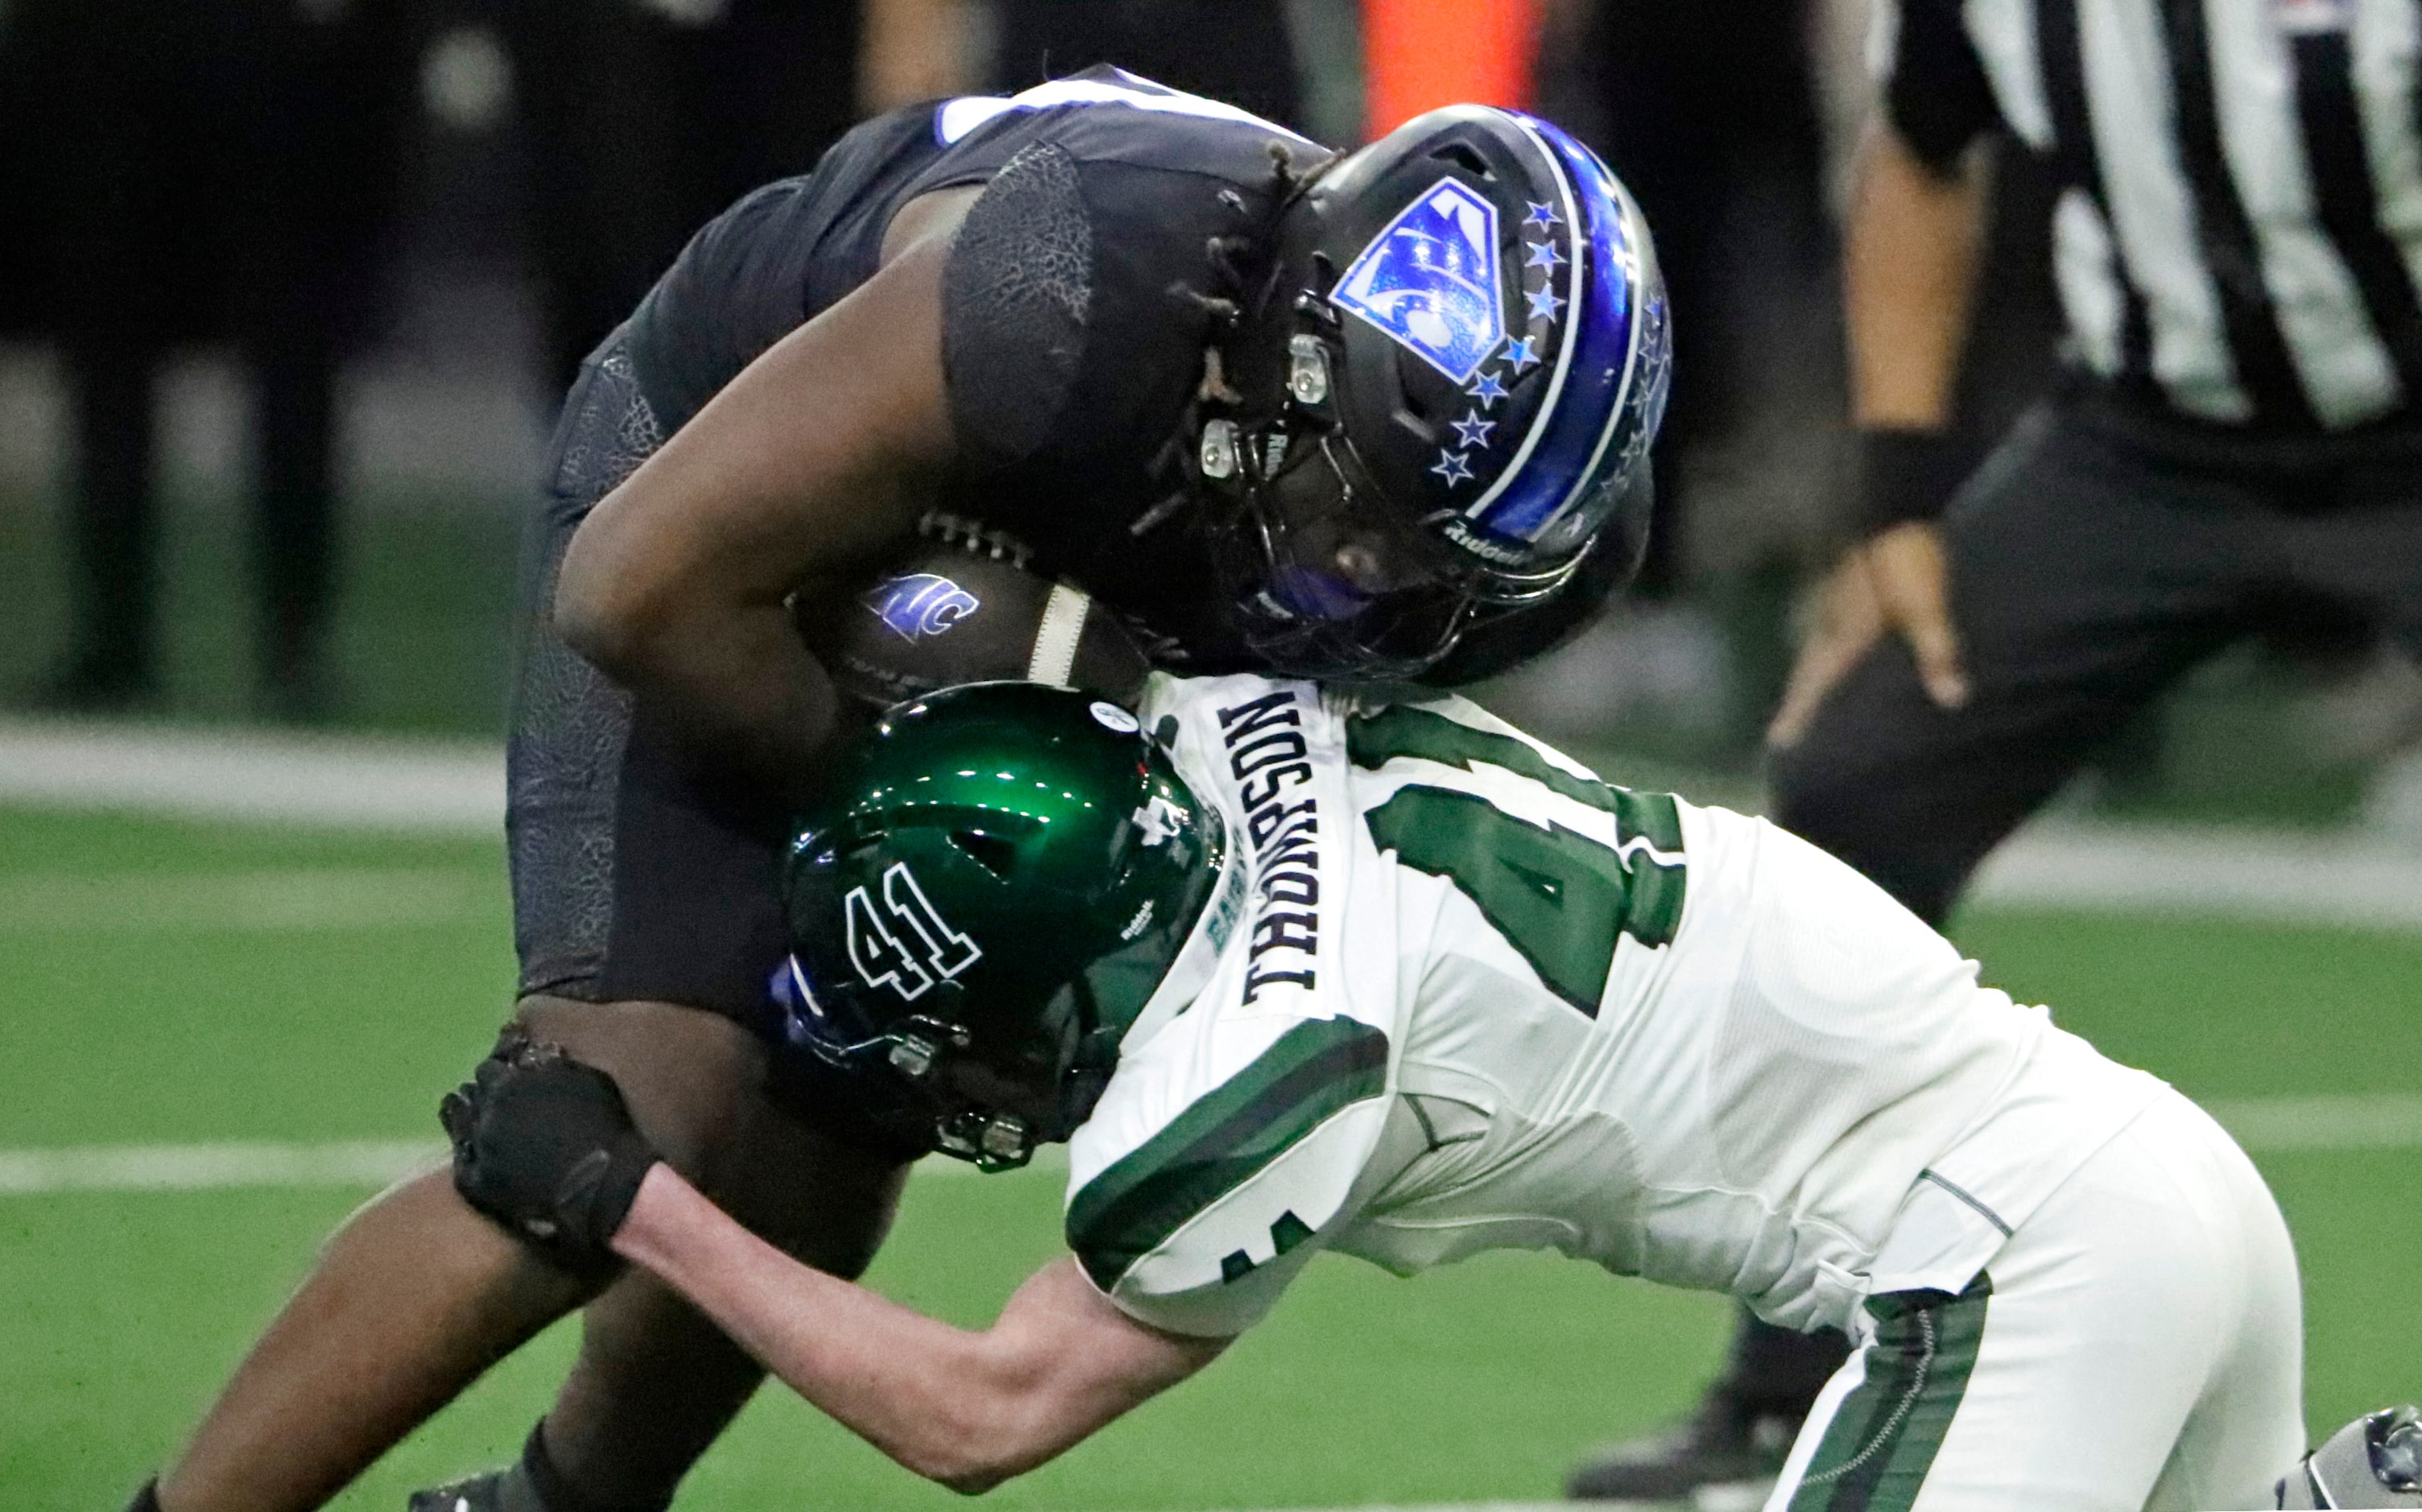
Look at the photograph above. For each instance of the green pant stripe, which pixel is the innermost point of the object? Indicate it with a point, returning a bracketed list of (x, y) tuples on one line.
[(1884, 1439)]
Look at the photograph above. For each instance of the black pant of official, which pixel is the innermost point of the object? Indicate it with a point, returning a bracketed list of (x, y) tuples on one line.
[(2097, 557)]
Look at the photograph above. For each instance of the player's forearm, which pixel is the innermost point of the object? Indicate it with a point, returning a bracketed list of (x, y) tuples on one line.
[(742, 687), (1909, 271), (912, 50), (806, 469), (930, 1396)]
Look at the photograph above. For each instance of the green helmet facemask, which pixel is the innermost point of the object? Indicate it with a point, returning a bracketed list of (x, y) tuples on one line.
[(1005, 876)]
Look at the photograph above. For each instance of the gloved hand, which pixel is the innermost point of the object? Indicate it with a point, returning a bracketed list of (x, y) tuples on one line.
[(545, 1145)]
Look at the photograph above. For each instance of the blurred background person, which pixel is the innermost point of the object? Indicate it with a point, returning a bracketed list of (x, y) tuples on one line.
[(1723, 127), (1718, 126), (1741, 133), (1238, 51), (2235, 446), (2233, 449), (220, 173), (1740, 138), (642, 119)]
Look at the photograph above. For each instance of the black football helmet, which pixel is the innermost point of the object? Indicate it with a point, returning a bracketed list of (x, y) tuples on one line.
[(1437, 398)]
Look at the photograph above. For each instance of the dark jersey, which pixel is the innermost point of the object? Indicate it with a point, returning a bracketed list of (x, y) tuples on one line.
[(1072, 338), (1073, 331)]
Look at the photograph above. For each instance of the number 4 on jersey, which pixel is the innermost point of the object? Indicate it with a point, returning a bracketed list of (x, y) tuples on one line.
[(886, 943), (1556, 896)]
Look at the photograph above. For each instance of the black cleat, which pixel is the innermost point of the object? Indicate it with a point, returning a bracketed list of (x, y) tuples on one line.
[(302, 693), (2376, 1460), (476, 1493), (90, 684), (1725, 1460)]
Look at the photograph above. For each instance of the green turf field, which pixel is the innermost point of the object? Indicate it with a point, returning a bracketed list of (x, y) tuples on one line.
[(419, 635), (167, 982)]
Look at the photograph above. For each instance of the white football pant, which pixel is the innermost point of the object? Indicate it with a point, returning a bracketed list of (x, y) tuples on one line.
[(2138, 1343)]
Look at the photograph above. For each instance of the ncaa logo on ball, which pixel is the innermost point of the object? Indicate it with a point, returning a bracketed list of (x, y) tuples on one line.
[(921, 604)]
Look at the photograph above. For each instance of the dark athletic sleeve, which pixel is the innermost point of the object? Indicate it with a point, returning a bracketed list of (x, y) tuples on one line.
[(1067, 343), (1936, 93), (1017, 300)]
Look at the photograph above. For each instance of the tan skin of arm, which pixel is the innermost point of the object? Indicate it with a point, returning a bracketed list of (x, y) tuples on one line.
[(799, 476), (1909, 263), (911, 50), (968, 1408)]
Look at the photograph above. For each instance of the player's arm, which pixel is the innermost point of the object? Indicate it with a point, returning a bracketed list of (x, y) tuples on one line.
[(804, 469), (966, 1409), (1909, 261), (546, 1146), (1912, 247)]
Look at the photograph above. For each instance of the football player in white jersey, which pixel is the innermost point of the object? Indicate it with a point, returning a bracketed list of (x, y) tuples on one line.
[(1294, 971)]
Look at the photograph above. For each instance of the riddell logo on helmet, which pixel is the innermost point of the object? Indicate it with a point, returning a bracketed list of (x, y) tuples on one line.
[(1480, 545), (920, 604)]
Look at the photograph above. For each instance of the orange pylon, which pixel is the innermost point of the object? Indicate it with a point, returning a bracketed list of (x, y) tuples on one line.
[(1418, 55)]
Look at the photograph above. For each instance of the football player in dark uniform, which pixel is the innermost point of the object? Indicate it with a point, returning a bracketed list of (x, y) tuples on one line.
[(1384, 414)]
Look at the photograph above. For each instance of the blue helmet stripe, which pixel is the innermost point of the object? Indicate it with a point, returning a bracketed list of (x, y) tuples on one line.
[(1589, 396), (1486, 509)]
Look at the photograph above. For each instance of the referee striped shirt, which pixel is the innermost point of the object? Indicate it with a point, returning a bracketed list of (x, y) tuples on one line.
[(2238, 234)]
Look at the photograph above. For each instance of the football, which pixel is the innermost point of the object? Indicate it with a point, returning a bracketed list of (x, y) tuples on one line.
[(966, 609)]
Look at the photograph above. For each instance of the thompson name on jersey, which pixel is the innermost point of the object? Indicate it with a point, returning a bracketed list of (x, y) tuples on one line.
[(1474, 998)]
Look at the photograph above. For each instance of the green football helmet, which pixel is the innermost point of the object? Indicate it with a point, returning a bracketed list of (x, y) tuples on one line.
[(1004, 877)]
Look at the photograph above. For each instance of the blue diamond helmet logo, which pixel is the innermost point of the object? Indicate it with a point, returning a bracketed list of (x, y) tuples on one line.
[(1430, 280)]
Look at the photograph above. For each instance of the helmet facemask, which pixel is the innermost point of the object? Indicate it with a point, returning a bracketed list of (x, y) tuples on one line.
[(1325, 579)]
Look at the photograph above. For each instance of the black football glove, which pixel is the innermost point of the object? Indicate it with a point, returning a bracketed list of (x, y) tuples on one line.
[(545, 1145)]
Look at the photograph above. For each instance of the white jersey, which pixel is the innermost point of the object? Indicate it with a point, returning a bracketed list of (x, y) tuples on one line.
[(1479, 999)]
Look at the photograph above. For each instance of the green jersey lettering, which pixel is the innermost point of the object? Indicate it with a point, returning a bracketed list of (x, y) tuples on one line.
[(1558, 897)]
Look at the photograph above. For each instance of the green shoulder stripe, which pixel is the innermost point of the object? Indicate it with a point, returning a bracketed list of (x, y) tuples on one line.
[(1372, 740), (1316, 1069)]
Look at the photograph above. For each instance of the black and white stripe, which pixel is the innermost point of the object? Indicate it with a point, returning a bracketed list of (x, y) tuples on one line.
[(2239, 228)]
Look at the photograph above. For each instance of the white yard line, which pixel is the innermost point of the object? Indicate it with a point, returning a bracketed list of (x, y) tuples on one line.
[(237, 1163), (2331, 1121), (2352, 878), (2283, 876), (289, 899), (1495, 1506), (352, 781), (202, 1167), (2347, 1123)]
